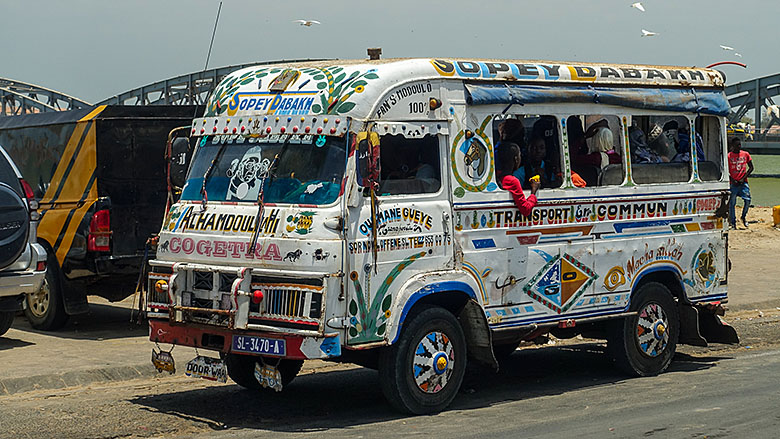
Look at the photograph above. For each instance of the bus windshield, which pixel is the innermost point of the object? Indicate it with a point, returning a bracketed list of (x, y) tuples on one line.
[(309, 170)]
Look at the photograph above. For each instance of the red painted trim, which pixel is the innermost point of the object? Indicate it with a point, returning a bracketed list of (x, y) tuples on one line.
[(161, 331)]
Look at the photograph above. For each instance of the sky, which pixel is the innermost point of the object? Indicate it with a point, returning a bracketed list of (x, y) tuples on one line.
[(93, 49)]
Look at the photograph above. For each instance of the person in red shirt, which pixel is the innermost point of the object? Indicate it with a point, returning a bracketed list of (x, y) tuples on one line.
[(740, 168), (508, 161)]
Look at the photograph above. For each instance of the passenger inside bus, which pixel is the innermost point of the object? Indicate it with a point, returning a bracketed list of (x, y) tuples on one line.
[(508, 161), (640, 152), (536, 163), (592, 150), (512, 130)]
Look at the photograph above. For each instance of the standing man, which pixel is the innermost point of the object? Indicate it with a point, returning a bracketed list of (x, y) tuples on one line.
[(740, 168)]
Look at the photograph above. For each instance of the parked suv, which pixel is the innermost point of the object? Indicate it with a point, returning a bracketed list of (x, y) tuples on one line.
[(22, 260)]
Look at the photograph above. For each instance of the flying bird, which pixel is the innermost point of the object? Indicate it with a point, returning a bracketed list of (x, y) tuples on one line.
[(638, 5), (306, 23), (726, 47), (647, 33)]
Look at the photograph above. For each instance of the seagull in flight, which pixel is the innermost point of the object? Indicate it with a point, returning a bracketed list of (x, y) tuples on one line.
[(726, 47), (647, 33), (638, 5), (306, 23)]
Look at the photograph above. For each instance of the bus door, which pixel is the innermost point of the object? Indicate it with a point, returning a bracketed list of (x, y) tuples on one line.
[(399, 230)]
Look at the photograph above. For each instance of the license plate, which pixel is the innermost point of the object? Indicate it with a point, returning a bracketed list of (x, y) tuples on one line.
[(259, 345), (208, 368)]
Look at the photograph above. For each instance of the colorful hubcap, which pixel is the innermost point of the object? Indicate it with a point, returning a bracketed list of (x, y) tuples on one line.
[(652, 330), (433, 362)]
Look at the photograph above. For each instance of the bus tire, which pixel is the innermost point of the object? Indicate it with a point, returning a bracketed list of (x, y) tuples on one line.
[(45, 309), (6, 319), (423, 371), (241, 369), (502, 352), (644, 344)]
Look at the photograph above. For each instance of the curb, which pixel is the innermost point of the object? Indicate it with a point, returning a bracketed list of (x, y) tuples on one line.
[(10, 386)]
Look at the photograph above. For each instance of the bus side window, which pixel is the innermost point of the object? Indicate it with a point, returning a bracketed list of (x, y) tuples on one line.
[(538, 139), (709, 147), (657, 155), (409, 166), (595, 151)]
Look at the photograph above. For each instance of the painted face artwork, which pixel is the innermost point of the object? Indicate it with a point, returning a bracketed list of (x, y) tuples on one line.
[(245, 174)]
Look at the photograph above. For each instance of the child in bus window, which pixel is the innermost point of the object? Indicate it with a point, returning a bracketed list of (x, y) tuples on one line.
[(535, 163), (509, 159)]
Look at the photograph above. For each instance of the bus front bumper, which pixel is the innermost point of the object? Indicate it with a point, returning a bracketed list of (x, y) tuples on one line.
[(288, 346)]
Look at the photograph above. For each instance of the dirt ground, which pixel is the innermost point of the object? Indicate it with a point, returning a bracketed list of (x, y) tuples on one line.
[(754, 279)]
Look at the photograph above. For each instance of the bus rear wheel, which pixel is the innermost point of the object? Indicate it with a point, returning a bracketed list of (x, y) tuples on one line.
[(644, 344), (241, 369), (423, 371)]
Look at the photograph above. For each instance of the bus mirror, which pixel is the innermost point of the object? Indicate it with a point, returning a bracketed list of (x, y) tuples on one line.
[(179, 160), (368, 157)]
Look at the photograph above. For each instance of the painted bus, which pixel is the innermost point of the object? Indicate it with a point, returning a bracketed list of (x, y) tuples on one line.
[(351, 211)]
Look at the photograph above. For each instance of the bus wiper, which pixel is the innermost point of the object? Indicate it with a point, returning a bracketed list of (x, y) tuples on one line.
[(204, 195), (267, 175)]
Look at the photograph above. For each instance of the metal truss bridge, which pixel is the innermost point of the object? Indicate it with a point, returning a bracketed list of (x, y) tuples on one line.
[(17, 98)]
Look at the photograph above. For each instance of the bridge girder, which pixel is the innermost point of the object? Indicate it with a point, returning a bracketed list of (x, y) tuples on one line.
[(189, 89), (17, 98), (754, 94)]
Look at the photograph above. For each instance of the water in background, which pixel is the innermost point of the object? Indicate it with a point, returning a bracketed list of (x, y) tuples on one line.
[(765, 191)]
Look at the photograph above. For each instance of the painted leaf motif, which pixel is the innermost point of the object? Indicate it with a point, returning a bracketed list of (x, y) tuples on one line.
[(346, 106), (353, 308), (386, 303)]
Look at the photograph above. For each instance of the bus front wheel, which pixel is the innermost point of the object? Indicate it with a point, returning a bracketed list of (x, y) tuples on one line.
[(423, 371), (241, 369), (644, 344)]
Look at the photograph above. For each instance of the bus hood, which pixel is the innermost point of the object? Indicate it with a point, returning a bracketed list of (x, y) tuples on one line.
[(291, 237)]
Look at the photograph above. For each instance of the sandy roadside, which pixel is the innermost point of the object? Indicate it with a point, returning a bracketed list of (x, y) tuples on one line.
[(754, 280)]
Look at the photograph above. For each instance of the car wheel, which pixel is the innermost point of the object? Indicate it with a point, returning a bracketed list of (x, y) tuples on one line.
[(241, 369), (644, 344), (6, 319), (45, 309), (15, 225), (423, 371)]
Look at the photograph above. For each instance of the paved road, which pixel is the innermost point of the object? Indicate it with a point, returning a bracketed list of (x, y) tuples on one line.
[(551, 392)]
